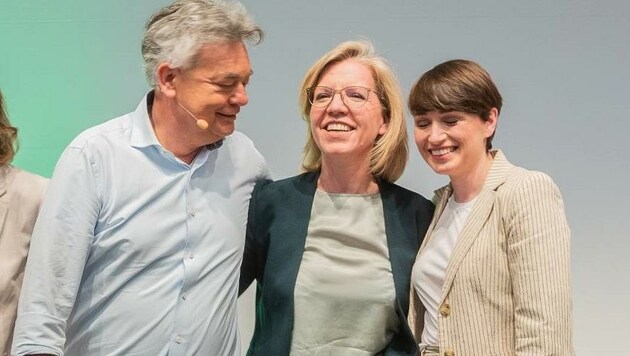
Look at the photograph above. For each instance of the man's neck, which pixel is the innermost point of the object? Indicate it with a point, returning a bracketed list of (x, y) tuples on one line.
[(177, 137)]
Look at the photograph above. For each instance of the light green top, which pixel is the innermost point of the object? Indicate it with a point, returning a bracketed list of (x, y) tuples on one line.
[(344, 293)]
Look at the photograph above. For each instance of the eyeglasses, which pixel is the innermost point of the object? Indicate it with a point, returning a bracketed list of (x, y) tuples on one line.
[(353, 96)]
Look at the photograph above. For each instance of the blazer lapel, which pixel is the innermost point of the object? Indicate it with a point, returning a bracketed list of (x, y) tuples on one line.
[(402, 242), (478, 216), (440, 199), (5, 176), (301, 205), (475, 221), (3, 215)]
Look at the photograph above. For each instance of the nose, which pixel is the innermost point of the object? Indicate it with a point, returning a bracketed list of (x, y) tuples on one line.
[(337, 105), (436, 134), (239, 96)]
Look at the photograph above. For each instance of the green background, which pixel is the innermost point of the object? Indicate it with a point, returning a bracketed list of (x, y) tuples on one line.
[(68, 65)]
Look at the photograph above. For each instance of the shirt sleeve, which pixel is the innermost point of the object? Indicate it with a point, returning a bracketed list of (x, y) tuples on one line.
[(539, 262), (264, 172), (60, 245)]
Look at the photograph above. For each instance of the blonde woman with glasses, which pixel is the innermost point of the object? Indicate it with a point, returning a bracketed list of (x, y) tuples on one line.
[(332, 248)]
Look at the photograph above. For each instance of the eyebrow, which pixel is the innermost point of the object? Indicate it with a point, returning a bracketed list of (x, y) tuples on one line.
[(232, 76)]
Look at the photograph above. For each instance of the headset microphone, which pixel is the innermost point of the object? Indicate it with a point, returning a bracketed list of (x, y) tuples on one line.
[(202, 124)]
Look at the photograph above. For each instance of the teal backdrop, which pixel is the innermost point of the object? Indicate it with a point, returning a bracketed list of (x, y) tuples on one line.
[(68, 65)]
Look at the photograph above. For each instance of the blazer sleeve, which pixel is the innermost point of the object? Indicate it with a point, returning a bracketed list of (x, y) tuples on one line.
[(539, 261), (254, 252)]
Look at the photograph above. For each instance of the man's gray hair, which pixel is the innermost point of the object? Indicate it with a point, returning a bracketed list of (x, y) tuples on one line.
[(176, 33)]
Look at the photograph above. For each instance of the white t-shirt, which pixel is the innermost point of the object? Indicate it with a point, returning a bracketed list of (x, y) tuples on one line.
[(429, 271)]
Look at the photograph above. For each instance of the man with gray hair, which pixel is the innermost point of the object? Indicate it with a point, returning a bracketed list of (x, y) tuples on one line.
[(138, 244)]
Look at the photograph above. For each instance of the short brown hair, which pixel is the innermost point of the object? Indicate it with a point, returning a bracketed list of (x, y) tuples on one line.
[(8, 136), (456, 85), (389, 154)]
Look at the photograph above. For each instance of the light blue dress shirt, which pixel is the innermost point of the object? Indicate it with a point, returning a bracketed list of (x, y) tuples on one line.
[(136, 252)]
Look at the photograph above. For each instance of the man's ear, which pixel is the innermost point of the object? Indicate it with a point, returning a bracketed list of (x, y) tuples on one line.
[(165, 79)]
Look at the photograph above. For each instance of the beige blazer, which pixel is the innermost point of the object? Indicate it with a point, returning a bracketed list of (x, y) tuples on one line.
[(507, 289), (20, 196)]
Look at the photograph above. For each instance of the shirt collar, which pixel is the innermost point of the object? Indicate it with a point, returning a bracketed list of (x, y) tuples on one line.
[(142, 134)]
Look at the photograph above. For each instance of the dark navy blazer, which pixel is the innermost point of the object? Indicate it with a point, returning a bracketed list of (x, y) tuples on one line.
[(279, 214)]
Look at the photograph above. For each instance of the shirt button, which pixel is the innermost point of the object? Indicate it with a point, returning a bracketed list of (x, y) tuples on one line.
[(179, 339), (449, 352), (184, 297), (192, 214), (191, 255), (445, 309)]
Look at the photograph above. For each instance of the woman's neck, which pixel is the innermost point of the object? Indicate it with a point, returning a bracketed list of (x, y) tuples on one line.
[(346, 177), (467, 186)]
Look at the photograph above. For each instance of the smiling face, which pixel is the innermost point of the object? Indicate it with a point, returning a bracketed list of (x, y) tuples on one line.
[(453, 143), (347, 131), (213, 90)]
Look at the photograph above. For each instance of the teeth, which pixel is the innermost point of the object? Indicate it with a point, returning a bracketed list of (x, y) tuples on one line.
[(442, 151), (338, 127)]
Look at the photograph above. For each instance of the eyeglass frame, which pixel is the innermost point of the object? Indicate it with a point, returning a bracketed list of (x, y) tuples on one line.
[(310, 91)]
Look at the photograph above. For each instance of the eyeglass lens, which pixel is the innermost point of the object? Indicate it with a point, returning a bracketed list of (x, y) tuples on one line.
[(352, 96)]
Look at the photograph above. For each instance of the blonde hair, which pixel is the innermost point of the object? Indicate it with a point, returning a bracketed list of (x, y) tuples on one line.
[(389, 154), (8, 136)]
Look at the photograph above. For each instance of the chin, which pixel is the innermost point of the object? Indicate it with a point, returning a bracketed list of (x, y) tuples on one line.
[(333, 153), (439, 169), (224, 132), (442, 172)]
